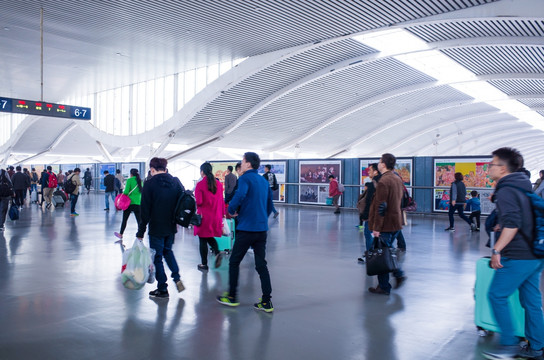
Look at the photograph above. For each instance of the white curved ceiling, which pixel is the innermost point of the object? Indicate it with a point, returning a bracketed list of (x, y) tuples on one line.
[(307, 89)]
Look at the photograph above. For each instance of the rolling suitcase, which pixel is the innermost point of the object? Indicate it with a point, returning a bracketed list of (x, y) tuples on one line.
[(62, 194), (57, 201), (225, 242), (34, 197), (483, 314)]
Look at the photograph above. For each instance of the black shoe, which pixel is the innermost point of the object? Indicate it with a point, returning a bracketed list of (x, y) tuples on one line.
[(202, 267), (218, 259), (337, 211), (378, 290), (106, 209), (400, 281), (361, 259), (158, 294), (449, 229)]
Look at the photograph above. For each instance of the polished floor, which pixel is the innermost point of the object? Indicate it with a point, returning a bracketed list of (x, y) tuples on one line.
[(62, 297)]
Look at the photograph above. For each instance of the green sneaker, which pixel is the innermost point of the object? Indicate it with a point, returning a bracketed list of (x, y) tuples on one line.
[(264, 306), (225, 299)]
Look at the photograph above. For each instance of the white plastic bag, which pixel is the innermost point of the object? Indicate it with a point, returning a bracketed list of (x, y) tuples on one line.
[(226, 227), (137, 262)]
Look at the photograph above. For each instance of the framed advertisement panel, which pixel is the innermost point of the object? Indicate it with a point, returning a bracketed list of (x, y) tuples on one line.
[(104, 167), (125, 169), (475, 176), (403, 167), (278, 168), (314, 180)]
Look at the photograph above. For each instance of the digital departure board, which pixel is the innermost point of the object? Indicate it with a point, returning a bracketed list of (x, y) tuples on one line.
[(44, 108)]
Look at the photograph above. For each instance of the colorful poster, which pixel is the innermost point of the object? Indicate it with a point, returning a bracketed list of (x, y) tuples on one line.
[(316, 175), (318, 172), (475, 172), (219, 169), (278, 168), (442, 200), (403, 168)]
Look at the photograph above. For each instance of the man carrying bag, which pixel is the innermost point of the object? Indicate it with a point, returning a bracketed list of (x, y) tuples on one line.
[(385, 219)]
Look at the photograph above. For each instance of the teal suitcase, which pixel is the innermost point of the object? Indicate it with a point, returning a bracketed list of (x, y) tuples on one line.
[(483, 314), (225, 242)]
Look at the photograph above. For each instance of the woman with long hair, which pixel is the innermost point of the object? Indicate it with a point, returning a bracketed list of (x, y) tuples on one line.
[(133, 189), (210, 205)]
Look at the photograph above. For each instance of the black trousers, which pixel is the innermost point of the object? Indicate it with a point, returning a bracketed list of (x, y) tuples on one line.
[(204, 241), (20, 197), (126, 213), (245, 240), (475, 214)]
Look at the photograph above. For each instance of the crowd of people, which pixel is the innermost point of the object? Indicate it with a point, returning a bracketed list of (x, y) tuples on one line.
[(248, 199)]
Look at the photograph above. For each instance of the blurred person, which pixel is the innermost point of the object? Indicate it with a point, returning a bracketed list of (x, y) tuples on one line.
[(76, 180), (133, 189), (458, 194)]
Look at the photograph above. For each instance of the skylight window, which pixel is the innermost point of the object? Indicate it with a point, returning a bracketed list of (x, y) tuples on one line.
[(414, 52)]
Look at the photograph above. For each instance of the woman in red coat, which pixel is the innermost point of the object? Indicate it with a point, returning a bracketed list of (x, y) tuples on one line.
[(211, 206)]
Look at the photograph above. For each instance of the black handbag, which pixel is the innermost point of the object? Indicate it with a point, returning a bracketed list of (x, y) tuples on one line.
[(381, 259), (13, 212)]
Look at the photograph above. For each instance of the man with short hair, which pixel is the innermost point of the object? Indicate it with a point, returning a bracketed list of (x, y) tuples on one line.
[(385, 216), (251, 204), (273, 182), (159, 199), (34, 183), (20, 182), (230, 184), (109, 183), (334, 193), (119, 182), (76, 180), (517, 267), (373, 174), (87, 180)]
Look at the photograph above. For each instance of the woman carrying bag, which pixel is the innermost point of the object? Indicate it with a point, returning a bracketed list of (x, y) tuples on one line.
[(133, 189), (211, 206)]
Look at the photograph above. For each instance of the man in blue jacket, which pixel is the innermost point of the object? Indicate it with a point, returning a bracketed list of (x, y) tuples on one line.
[(513, 259), (251, 204)]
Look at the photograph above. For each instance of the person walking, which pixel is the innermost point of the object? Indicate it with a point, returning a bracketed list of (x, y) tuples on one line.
[(458, 195), (538, 182), (6, 195), (88, 180), (385, 218), (159, 199), (119, 182), (60, 180), (335, 193), (109, 183), (76, 180), (21, 183), (230, 184), (374, 176), (49, 184), (211, 206), (133, 189), (473, 204), (251, 204), (34, 183), (273, 182), (517, 268)]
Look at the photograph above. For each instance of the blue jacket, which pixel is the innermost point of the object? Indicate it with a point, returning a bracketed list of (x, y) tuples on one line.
[(473, 204), (253, 201)]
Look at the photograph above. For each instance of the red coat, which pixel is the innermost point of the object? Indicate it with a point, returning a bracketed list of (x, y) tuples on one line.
[(211, 207), (333, 188)]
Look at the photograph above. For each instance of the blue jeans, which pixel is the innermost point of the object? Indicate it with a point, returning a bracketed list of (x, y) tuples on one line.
[(107, 200), (369, 239), (460, 210), (523, 275), (73, 202), (401, 242), (383, 280), (163, 248), (33, 187), (245, 240)]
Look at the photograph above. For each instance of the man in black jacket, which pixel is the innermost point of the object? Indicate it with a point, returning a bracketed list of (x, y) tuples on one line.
[(373, 174), (21, 183), (517, 268), (458, 199), (109, 183), (159, 199)]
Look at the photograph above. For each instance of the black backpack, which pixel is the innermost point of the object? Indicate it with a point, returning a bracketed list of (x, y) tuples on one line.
[(6, 188), (185, 208), (70, 187)]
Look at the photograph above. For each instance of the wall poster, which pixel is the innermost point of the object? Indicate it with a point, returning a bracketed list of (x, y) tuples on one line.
[(125, 169), (314, 180), (475, 177), (104, 167), (403, 167), (279, 169)]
